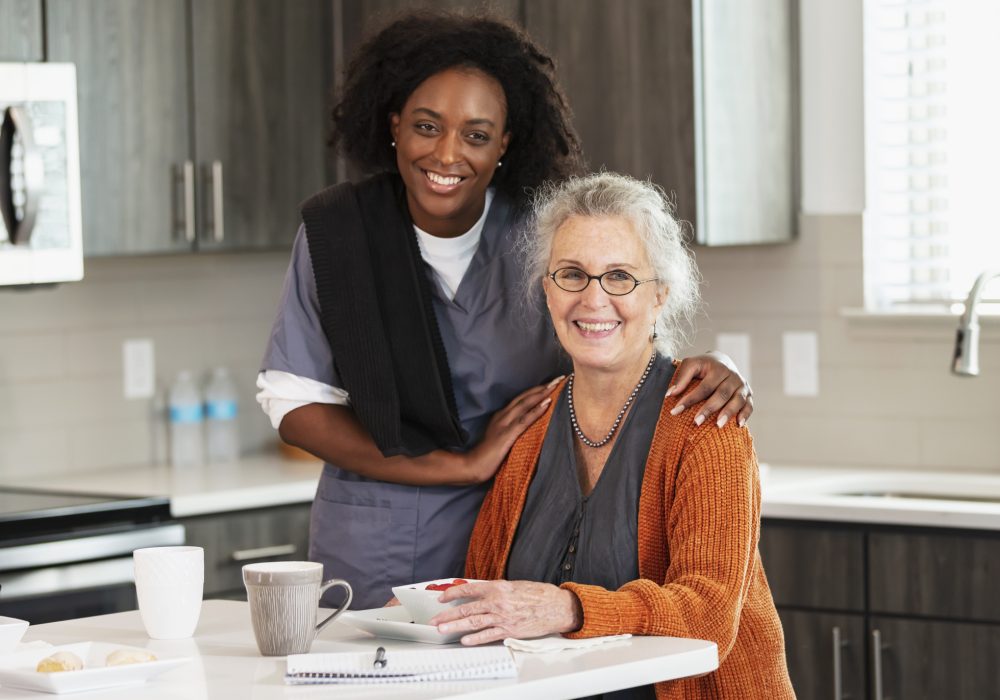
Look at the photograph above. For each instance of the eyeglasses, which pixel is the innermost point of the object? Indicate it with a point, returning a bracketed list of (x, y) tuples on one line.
[(615, 282)]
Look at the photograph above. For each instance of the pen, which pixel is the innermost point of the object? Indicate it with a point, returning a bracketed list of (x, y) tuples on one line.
[(380, 660)]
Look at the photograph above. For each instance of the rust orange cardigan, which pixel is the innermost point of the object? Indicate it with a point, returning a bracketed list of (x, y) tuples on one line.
[(700, 571)]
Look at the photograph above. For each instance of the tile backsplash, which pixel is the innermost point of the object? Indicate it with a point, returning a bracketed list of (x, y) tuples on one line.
[(886, 398), (63, 405)]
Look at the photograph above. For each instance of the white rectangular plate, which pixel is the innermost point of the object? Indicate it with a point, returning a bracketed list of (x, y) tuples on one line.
[(395, 623), (18, 670)]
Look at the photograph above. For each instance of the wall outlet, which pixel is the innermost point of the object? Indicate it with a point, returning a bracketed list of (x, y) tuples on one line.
[(800, 351), (737, 346), (139, 368)]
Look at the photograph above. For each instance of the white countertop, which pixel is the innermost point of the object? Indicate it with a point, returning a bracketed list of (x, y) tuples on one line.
[(259, 481), (226, 664), (793, 492), (917, 498)]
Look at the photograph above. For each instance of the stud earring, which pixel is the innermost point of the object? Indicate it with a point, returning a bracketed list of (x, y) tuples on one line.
[(499, 163), (393, 144)]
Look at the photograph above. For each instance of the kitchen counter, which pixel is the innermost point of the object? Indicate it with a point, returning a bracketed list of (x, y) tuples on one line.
[(917, 498), (226, 664), (914, 498), (258, 481)]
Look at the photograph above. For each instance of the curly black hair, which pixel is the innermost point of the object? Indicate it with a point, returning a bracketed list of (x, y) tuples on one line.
[(390, 65)]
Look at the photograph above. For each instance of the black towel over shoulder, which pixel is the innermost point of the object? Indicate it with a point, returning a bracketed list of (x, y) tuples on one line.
[(376, 311)]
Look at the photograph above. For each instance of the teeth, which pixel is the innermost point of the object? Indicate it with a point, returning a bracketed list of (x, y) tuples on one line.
[(597, 327), (441, 179)]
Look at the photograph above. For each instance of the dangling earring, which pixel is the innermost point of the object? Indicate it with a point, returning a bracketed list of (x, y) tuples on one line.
[(654, 336), (393, 144)]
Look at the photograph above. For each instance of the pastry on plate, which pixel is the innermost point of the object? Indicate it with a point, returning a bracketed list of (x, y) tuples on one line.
[(60, 661), (120, 657)]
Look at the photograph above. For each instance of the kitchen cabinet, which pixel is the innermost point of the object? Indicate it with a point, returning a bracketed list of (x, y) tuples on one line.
[(883, 611), (816, 574), (21, 30), (233, 539), (202, 125), (697, 96)]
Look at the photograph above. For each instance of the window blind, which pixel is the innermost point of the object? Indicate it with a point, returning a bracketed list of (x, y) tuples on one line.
[(931, 149)]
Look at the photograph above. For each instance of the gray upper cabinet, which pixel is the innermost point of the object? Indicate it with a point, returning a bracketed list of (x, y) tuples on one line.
[(132, 82), (21, 30), (745, 120), (262, 77), (202, 124), (696, 96)]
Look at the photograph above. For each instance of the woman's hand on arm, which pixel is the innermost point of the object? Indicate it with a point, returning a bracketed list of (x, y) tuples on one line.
[(334, 434), (501, 609), (721, 383)]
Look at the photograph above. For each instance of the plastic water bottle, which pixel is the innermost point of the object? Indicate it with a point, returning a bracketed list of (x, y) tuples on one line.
[(186, 416), (221, 408)]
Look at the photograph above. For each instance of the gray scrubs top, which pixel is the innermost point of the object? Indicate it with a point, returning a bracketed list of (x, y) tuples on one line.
[(566, 536), (376, 534)]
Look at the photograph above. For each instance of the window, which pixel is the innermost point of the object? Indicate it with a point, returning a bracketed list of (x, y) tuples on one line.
[(932, 150)]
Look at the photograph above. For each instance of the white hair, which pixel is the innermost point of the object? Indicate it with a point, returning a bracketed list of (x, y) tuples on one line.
[(646, 207)]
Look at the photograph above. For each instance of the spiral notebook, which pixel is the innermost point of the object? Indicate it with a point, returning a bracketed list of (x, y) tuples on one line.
[(402, 666)]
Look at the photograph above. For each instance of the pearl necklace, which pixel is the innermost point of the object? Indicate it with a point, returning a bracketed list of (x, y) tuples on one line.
[(621, 414)]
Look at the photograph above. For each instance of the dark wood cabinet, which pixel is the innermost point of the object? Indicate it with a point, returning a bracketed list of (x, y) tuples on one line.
[(628, 71), (825, 653), (134, 107), (930, 660), (915, 611), (21, 30), (233, 539), (262, 79), (202, 125)]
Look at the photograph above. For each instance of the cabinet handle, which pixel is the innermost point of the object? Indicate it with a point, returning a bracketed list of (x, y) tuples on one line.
[(838, 678), (189, 201), (877, 648), (277, 550), (218, 223)]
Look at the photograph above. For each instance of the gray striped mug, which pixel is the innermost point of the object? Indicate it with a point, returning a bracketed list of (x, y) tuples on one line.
[(284, 604)]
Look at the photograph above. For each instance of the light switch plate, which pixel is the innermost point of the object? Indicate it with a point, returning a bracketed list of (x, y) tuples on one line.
[(800, 351), (139, 368), (737, 346)]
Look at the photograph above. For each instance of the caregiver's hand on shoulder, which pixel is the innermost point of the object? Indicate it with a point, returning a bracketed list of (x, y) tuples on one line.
[(504, 428), (721, 383), (501, 609)]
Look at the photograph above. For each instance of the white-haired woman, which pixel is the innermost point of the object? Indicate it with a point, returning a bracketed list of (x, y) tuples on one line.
[(611, 515)]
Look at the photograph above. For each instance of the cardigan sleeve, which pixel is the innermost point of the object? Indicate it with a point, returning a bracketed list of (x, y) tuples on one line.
[(712, 522)]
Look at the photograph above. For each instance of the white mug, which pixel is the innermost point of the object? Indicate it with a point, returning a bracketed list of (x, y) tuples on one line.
[(284, 604), (169, 582)]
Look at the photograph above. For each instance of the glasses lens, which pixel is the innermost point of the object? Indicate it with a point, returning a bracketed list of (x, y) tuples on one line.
[(571, 279), (617, 282)]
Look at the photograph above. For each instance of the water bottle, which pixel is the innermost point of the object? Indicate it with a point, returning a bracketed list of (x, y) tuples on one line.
[(221, 407), (186, 416)]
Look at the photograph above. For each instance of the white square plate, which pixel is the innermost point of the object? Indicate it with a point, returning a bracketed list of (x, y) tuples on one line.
[(18, 670), (396, 623)]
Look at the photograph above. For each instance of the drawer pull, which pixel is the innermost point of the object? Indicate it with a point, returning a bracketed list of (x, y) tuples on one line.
[(277, 550), (878, 646), (838, 680)]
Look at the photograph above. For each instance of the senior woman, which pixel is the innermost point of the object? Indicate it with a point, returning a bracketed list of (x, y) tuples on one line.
[(611, 515)]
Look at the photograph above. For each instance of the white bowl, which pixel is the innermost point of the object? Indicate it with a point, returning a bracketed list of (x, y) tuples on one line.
[(11, 631), (423, 604)]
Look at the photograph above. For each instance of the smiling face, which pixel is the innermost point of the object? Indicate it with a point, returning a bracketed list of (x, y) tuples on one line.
[(598, 330), (449, 137)]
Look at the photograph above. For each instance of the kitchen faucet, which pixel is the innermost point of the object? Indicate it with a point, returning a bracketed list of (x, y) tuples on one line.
[(965, 363)]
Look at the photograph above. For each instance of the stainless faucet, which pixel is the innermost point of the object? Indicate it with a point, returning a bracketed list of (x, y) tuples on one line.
[(965, 363)]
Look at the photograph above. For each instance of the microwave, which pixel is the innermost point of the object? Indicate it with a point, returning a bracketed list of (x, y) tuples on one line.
[(41, 238)]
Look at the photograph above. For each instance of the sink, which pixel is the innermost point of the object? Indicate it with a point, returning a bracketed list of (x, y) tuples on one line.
[(893, 495)]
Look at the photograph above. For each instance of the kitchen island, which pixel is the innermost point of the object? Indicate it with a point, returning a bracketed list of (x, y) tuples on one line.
[(225, 663)]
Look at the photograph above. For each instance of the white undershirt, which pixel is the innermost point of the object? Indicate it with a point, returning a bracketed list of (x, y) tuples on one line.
[(449, 258)]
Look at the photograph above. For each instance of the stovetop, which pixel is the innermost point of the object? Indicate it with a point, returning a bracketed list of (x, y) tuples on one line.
[(34, 512)]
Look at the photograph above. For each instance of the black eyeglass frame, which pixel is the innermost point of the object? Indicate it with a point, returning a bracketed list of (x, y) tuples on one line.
[(600, 280)]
